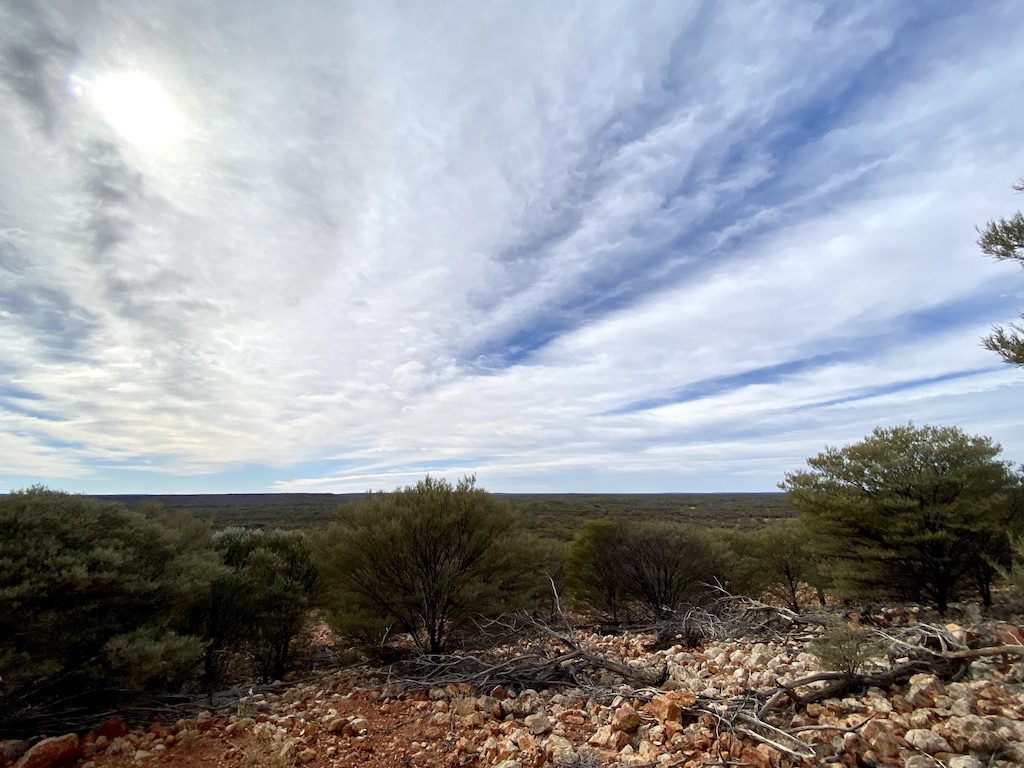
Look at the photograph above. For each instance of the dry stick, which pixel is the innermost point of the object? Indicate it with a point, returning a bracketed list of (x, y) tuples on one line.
[(992, 650), (775, 745), (840, 729), (626, 671), (778, 735)]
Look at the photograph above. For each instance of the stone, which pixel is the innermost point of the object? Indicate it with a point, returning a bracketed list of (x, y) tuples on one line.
[(337, 724), (665, 709), (879, 734), (921, 718), (964, 761), (355, 726), (962, 707), (12, 749), (607, 738), (685, 699), (971, 733), (306, 756), (112, 728), (538, 724), (625, 719), (924, 689), (755, 757), (927, 741), (55, 752), (559, 750), (490, 705)]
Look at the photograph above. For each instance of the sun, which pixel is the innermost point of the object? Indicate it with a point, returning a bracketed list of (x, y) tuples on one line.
[(138, 108)]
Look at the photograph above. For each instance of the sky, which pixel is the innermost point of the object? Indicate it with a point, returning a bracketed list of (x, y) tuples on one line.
[(564, 246)]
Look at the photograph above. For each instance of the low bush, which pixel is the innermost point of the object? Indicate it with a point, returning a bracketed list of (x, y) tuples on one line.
[(423, 561), (652, 568)]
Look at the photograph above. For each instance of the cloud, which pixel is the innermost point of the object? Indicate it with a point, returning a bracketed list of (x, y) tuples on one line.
[(594, 247)]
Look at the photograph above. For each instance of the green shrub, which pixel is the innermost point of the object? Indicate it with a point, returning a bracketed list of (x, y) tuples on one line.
[(773, 562), (257, 606), (655, 567), (94, 595), (846, 649), (595, 566), (424, 560)]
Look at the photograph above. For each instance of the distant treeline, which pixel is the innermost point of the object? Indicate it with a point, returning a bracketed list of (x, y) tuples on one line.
[(557, 514)]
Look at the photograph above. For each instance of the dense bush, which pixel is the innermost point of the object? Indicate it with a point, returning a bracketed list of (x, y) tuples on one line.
[(101, 598), (652, 567), (774, 562), (95, 594), (595, 567), (258, 604), (424, 560)]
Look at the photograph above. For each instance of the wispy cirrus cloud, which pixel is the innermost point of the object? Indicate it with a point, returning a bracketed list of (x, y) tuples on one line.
[(596, 248)]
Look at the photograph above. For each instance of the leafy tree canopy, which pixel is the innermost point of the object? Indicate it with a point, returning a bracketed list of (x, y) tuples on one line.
[(912, 512), (655, 567)]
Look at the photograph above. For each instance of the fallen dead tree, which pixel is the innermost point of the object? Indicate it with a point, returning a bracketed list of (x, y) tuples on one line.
[(543, 657), (729, 616)]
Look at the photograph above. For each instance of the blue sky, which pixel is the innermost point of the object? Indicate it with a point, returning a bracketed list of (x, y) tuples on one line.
[(604, 246)]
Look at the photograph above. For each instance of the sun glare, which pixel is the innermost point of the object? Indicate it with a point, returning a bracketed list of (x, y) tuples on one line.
[(138, 108)]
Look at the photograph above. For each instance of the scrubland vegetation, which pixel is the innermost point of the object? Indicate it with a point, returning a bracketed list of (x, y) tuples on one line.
[(103, 602)]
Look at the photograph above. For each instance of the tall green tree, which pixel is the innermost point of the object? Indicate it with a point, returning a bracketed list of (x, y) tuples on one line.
[(1003, 240), (424, 559), (910, 512)]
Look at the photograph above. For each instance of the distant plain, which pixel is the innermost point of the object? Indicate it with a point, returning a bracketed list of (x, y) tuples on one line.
[(555, 514)]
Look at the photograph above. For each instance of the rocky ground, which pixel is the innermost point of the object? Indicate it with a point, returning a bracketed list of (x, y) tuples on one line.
[(697, 717)]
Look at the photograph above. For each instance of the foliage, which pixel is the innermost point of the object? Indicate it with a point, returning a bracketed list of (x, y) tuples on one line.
[(94, 594), (846, 649), (775, 562), (908, 512), (258, 604), (655, 566), (424, 559), (1003, 240), (667, 565), (149, 659), (595, 566), (1013, 570), (552, 515)]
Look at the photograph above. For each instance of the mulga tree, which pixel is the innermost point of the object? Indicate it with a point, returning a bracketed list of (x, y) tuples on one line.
[(424, 559), (595, 566), (667, 565), (775, 561), (910, 512), (652, 568)]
